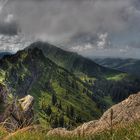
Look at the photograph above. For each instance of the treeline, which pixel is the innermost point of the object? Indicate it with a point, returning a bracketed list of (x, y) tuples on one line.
[(117, 90)]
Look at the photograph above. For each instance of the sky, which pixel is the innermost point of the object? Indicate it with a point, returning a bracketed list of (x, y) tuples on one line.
[(94, 28)]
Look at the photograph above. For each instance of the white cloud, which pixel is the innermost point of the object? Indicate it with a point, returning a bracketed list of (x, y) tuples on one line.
[(13, 43), (103, 41), (81, 48)]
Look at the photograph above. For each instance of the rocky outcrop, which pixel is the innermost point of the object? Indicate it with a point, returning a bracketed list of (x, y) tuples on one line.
[(123, 113), (3, 94), (3, 100), (18, 114)]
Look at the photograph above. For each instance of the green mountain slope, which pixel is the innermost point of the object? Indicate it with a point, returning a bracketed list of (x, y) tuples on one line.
[(63, 98), (73, 62), (60, 97), (109, 85), (131, 66)]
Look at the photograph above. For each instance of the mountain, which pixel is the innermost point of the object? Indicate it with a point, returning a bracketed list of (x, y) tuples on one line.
[(61, 99), (2, 54), (65, 96), (73, 62), (120, 115), (131, 66), (110, 86)]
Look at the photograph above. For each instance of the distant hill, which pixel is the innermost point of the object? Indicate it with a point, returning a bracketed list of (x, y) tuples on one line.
[(131, 66), (2, 54)]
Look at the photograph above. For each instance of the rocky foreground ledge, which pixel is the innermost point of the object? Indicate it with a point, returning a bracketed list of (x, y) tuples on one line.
[(17, 113), (20, 114), (123, 113)]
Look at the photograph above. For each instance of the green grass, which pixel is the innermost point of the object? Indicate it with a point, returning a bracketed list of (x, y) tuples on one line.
[(130, 132), (3, 133), (108, 100), (2, 76), (117, 77)]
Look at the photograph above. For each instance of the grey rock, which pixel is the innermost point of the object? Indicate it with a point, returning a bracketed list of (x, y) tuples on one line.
[(19, 114)]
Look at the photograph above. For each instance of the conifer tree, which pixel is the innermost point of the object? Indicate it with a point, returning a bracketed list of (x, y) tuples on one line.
[(72, 111), (54, 122), (61, 121), (54, 99), (48, 110)]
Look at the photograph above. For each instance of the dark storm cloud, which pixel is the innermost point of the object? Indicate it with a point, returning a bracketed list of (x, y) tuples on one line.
[(59, 20), (8, 28), (93, 22)]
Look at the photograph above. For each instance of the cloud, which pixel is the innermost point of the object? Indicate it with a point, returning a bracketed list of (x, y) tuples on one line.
[(100, 42), (103, 42), (60, 20), (7, 28), (8, 25), (2, 4), (82, 48), (13, 43), (79, 24), (9, 18)]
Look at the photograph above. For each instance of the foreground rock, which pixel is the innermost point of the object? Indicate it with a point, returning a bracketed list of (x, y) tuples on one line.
[(19, 114), (3, 100), (123, 113)]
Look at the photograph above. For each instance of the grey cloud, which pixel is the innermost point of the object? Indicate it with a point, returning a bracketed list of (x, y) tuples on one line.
[(74, 22), (60, 20), (8, 28)]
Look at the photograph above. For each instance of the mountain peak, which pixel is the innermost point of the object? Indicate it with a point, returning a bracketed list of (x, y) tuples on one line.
[(71, 61)]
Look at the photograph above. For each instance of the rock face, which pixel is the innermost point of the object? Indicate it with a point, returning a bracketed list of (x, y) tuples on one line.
[(3, 93), (123, 113), (3, 100), (20, 113)]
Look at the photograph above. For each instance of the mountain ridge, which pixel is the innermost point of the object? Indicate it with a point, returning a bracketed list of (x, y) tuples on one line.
[(100, 78), (131, 66), (71, 61)]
